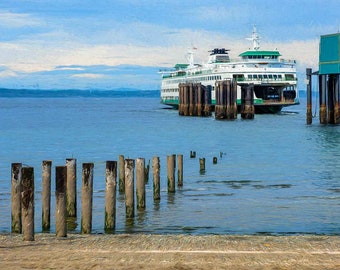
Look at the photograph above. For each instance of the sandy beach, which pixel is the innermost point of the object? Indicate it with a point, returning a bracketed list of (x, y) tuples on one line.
[(139, 251)]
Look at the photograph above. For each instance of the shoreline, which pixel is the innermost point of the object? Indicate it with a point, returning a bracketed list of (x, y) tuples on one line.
[(151, 251)]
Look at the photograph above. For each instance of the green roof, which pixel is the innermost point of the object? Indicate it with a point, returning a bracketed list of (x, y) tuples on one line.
[(181, 66), (264, 53)]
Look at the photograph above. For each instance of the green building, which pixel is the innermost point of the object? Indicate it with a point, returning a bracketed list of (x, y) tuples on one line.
[(329, 54)]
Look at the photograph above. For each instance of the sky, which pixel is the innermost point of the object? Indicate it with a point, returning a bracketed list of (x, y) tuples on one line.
[(110, 44)]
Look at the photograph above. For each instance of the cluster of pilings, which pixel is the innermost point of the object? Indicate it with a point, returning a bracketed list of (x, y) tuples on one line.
[(329, 98), (22, 179), (194, 99), (225, 96)]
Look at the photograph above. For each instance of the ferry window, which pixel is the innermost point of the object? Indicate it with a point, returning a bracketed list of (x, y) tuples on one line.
[(250, 76), (280, 76), (265, 76), (260, 76), (275, 76), (255, 76), (270, 76)]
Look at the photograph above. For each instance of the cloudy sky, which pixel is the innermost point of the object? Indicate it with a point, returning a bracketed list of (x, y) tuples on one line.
[(108, 44)]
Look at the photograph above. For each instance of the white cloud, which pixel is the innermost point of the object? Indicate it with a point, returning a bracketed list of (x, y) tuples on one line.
[(89, 76), (16, 20), (7, 73)]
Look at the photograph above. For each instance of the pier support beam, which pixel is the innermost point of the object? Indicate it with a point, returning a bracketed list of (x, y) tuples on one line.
[(322, 99), (309, 115), (247, 102)]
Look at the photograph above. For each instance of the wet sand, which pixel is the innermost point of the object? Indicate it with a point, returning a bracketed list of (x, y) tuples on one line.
[(139, 251)]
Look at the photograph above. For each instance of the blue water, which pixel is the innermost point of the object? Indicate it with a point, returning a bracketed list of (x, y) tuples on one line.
[(276, 175)]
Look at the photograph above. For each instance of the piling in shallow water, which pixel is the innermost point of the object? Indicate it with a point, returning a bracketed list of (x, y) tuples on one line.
[(129, 188), (202, 165), (27, 203), (156, 179), (110, 196), (171, 174), (180, 171), (86, 196), (121, 174), (16, 197), (71, 187), (46, 195), (60, 195), (140, 183)]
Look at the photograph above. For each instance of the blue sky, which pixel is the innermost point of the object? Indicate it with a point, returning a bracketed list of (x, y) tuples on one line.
[(81, 44)]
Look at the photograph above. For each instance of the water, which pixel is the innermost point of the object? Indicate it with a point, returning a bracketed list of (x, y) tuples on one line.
[(276, 174)]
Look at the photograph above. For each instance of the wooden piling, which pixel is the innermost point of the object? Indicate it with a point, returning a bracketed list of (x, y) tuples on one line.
[(27, 203), (86, 196), (156, 179), (60, 195), (207, 108), (330, 97), (121, 174), (171, 174), (46, 195), (337, 99), (220, 97), (202, 165), (129, 188), (16, 197), (110, 196), (247, 101), (214, 160), (309, 115), (71, 187), (192, 154), (180, 170), (140, 183), (146, 172), (322, 99)]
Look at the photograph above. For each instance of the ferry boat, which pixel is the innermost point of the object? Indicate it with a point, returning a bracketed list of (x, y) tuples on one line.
[(274, 79)]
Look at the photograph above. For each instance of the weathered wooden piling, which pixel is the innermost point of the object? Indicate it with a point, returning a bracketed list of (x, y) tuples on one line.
[(71, 187), (194, 100), (247, 101), (110, 196), (323, 99), (27, 203), (121, 174), (16, 197), (140, 183), (337, 99), (225, 94), (207, 104), (330, 97), (60, 195), (171, 174), (309, 115), (129, 188), (180, 170), (156, 179), (202, 165), (214, 160), (146, 172), (86, 197), (46, 195), (192, 154)]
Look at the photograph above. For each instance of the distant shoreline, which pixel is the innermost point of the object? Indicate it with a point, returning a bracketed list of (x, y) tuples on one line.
[(120, 92)]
